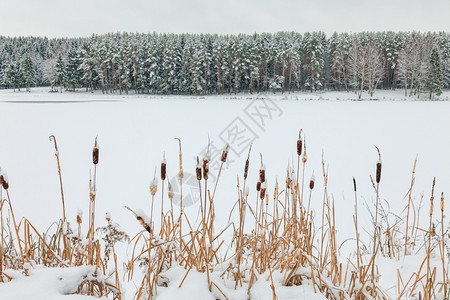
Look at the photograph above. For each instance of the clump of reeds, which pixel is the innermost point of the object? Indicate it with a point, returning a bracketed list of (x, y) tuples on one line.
[(284, 235)]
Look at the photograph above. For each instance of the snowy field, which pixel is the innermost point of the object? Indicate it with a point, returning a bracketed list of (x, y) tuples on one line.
[(134, 131)]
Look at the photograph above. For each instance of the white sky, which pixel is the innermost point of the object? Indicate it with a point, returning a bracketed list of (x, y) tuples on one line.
[(76, 18)]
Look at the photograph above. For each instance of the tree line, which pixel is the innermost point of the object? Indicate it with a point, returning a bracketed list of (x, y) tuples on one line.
[(216, 64)]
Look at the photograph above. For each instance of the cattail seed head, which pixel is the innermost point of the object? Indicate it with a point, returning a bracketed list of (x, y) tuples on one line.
[(275, 192), (79, 216), (378, 174), (170, 192), (163, 169), (354, 184), (153, 186), (206, 160), (95, 152), (224, 154), (145, 225), (4, 180), (431, 205), (198, 170), (312, 181), (442, 202), (304, 157), (262, 192), (288, 179), (262, 174), (205, 170), (247, 163), (299, 146), (258, 186), (294, 183)]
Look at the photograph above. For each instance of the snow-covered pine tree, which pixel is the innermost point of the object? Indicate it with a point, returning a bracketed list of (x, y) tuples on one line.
[(60, 72), (435, 82), (198, 83), (73, 71), (154, 62), (313, 62), (170, 66), (87, 67), (28, 73)]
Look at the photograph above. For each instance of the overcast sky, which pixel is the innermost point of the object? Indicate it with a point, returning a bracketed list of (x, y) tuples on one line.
[(79, 18)]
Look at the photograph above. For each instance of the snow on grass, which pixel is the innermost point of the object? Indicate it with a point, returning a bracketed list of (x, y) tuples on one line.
[(46, 283), (135, 131)]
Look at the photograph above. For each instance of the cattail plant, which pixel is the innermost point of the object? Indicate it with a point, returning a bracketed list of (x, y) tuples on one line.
[(4, 183), (300, 146), (247, 163), (92, 196), (375, 231), (163, 178)]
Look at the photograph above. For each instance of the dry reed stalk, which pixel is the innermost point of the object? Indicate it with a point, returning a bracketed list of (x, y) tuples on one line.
[(1, 235), (180, 177), (16, 228), (44, 243), (66, 242), (324, 203), (428, 285), (442, 248), (355, 221), (409, 206), (52, 137)]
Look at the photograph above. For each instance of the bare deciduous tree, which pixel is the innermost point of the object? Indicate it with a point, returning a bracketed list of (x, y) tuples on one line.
[(365, 66)]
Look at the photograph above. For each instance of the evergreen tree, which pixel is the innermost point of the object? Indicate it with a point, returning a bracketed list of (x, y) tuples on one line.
[(74, 73), (60, 72), (435, 81), (28, 72), (313, 52), (13, 75)]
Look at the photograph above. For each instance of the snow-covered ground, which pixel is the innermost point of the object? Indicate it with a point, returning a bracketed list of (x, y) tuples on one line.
[(134, 131)]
